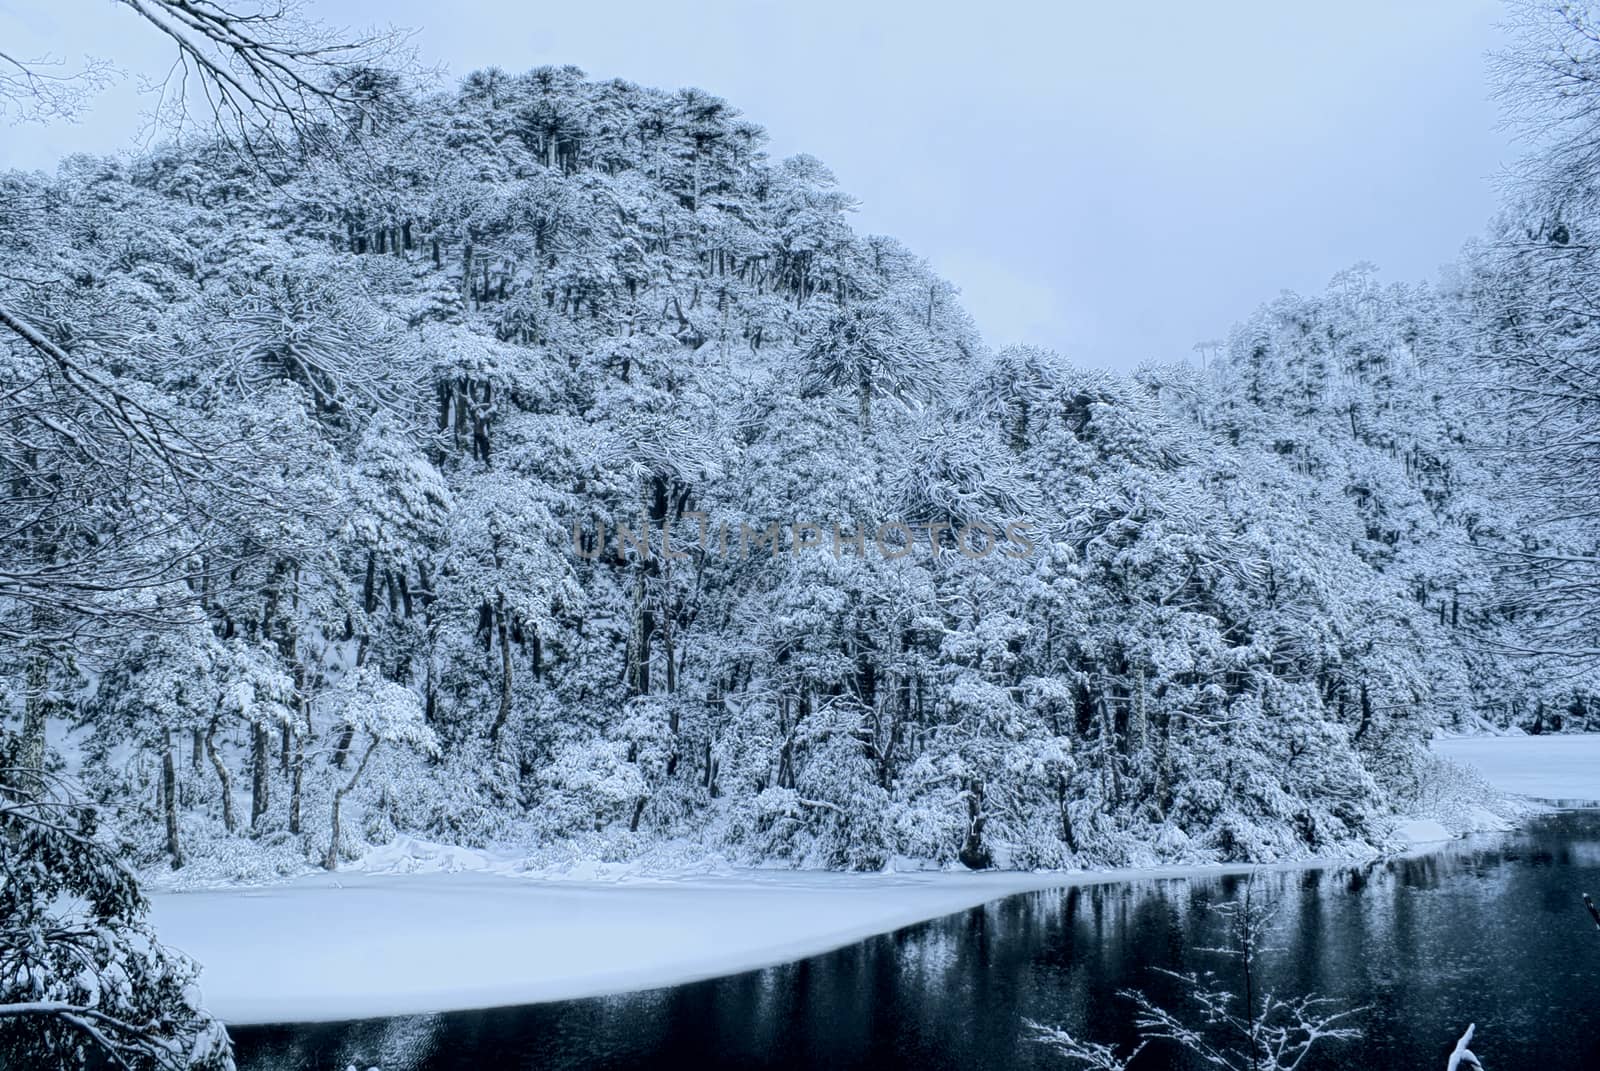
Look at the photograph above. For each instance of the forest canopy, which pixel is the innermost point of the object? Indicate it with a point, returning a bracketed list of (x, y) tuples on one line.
[(404, 387)]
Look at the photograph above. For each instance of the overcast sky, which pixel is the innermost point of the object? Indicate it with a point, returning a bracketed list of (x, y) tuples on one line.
[(1117, 181)]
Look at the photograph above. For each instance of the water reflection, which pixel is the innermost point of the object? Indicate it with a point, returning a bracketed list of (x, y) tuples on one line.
[(1489, 930)]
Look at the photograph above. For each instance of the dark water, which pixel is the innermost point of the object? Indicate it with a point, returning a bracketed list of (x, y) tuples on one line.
[(1490, 930)]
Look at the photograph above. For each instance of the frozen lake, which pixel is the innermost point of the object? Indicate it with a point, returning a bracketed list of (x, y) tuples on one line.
[(1490, 930)]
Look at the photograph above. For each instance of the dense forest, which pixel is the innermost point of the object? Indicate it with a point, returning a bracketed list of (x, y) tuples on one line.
[(554, 468)]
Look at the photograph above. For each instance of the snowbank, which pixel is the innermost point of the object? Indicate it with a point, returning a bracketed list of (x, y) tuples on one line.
[(1560, 766), (428, 928), (345, 946), (1418, 831)]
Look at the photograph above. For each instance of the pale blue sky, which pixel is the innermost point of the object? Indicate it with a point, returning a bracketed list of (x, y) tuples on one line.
[(1117, 181)]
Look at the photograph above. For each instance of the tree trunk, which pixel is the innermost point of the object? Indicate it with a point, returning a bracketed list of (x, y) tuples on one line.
[(35, 702), (1108, 745), (973, 854), (260, 769), (1141, 722), (1366, 714), (502, 635), (644, 631), (347, 732), (331, 860), (1164, 763), (342, 748), (169, 799), (222, 777), (430, 692), (296, 782), (1068, 835), (298, 762)]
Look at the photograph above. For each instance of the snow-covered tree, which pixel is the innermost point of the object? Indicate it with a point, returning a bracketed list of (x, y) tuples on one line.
[(83, 981)]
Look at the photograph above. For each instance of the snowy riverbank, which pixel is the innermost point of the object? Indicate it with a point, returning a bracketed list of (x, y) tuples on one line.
[(469, 929), (343, 946)]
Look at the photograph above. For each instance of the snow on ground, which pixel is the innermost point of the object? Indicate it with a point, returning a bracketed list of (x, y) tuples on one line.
[(356, 945), (419, 927), (1560, 766), (1421, 831)]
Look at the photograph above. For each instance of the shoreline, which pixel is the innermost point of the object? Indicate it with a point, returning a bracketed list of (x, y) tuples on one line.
[(319, 947), (581, 938)]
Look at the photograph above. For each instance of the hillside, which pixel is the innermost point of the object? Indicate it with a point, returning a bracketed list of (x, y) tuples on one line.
[(590, 486)]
